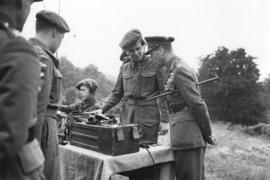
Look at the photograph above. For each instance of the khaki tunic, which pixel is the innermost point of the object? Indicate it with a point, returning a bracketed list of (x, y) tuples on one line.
[(49, 98), (20, 154), (190, 127), (189, 123), (136, 82)]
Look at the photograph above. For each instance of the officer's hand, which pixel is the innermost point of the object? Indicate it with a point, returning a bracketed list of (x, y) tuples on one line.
[(163, 128)]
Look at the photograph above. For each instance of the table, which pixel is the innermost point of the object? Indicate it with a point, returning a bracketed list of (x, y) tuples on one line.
[(79, 163)]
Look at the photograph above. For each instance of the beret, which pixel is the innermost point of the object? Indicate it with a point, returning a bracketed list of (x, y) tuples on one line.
[(130, 38), (53, 19), (90, 83), (157, 41)]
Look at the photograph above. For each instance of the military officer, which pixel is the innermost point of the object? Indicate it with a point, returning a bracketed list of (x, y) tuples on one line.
[(20, 154), (189, 117), (50, 30), (138, 79)]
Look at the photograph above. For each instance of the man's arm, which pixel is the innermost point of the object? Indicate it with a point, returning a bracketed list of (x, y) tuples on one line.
[(46, 70), (186, 83), (19, 81), (164, 116), (116, 95)]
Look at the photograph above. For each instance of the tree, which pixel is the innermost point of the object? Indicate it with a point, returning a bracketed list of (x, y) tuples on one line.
[(235, 97)]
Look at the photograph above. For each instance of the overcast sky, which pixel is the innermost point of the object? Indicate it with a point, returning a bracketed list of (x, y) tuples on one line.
[(199, 27)]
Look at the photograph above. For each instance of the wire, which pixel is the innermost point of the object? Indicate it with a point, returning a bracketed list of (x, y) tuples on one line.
[(154, 164), (150, 156)]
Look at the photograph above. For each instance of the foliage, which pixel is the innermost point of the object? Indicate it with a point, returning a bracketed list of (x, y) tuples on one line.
[(234, 97), (265, 93), (71, 94), (237, 156), (72, 75)]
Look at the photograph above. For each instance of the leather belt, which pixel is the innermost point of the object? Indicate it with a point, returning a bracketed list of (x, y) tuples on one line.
[(174, 108), (138, 102)]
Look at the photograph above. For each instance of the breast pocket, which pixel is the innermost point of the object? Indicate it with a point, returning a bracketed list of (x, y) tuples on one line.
[(128, 81), (148, 81)]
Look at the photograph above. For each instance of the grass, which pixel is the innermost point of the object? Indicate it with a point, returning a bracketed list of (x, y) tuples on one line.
[(237, 156)]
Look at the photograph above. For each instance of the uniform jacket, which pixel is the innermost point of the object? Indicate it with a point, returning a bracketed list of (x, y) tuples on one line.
[(137, 81), (86, 105), (53, 78), (190, 126), (47, 67), (19, 82)]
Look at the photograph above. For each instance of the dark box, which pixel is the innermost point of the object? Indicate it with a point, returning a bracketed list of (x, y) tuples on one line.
[(110, 139)]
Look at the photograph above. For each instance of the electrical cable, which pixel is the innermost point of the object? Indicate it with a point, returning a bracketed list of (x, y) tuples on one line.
[(146, 146)]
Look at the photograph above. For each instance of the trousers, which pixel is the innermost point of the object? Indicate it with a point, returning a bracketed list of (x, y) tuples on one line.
[(49, 146), (189, 164)]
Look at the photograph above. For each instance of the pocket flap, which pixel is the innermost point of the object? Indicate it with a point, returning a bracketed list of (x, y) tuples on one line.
[(148, 74), (127, 76), (31, 156)]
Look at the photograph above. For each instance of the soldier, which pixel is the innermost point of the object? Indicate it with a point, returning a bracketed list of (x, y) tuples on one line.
[(138, 79), (189, 117), (50, 30), (87, 88), (20, 154)]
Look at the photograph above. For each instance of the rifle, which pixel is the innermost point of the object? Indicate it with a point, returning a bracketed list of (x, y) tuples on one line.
[(176, 90)]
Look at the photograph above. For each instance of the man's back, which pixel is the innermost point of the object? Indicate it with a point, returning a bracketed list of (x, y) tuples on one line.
[(17, 105)]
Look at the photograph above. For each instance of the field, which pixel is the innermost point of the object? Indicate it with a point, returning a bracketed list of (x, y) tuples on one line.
[(237, 156)]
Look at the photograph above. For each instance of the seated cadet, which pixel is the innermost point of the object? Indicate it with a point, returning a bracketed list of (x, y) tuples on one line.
[(87, 88)]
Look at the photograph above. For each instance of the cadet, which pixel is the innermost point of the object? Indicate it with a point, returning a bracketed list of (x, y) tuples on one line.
[(87, 88), (189, 118), (138, 79), (50, 30), (20, 154)]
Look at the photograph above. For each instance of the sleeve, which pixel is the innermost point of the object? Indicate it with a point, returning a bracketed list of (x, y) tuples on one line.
[(70, 108), (46, 70), (46, 76), (19, 81), (116, 95), (164, 115), (186, 83)]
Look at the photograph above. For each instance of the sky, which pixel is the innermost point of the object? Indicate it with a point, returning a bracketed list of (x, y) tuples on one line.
[(199, 28)]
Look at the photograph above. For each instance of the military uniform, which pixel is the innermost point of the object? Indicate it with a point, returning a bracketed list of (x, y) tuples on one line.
[(87, 105), (48, 101), (189, 118), (186, 137), (136, 82), (20, 154), (49, 97)]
